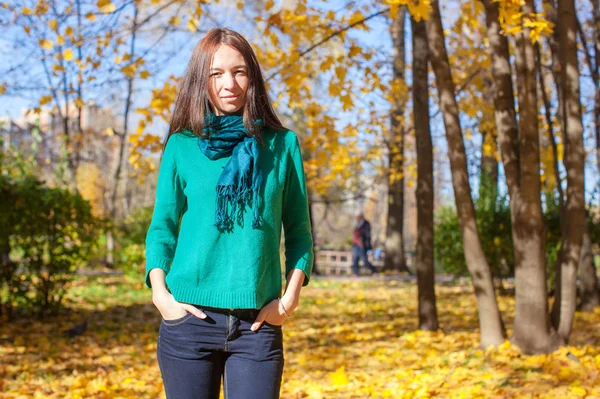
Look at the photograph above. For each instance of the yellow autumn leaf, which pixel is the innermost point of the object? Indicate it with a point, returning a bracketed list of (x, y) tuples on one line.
[(354, 50), (144, 74), (90, 16), (79, 102), (41, 7), (106, 6), (420, 9), (45, 100), (346, 102), (26, 11), (53, 24), (129, 70), (175, 21), (340, 73), (68, 54), (192, 25), (339, 377), (27, 29), (2, 88), (60, 40), (69, 31), (46, 44)]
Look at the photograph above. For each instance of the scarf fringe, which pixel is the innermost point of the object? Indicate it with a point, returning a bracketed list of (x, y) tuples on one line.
[(237, 199), (257, 220)]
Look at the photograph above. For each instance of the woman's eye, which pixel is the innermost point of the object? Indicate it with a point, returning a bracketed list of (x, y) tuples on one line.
[(215, 74), (240, 71)]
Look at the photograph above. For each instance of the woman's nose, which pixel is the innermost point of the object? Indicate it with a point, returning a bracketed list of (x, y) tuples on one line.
[(229, 82)]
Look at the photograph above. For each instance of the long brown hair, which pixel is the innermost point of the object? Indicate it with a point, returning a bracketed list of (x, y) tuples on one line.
[(193, 101)]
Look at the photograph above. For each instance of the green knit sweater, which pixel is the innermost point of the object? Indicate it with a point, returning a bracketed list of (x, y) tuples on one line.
[(231, 270)]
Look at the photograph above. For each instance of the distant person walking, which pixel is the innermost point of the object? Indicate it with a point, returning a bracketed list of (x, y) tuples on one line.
[(361, 243)]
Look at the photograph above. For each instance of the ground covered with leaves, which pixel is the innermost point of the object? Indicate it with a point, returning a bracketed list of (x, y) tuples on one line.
[(347, 339)]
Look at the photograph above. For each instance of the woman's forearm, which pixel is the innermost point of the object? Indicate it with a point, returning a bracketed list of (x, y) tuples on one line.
[(157, 278), (291, 296)]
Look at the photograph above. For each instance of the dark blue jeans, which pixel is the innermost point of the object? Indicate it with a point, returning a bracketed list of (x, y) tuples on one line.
[(193, 354), (360, 253)]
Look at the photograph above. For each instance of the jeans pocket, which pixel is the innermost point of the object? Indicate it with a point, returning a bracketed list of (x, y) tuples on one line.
[(178, 321), (272, 325)]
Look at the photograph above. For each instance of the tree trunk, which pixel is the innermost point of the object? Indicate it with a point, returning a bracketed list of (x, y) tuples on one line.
[(394, 241), (553, 41), (490, 322), (590, 295), (504, 101), (532, 331), (555, 167), (122, 145), (79, 139), (596, 11), (549, 122), (424, 265), (574, 164), (504, 111), (315, 268), (488, 175)]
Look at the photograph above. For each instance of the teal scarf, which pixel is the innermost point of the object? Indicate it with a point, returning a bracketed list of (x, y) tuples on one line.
[(241, 180)]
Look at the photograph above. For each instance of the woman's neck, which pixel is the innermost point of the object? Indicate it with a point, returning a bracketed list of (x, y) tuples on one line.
[(239, 112)]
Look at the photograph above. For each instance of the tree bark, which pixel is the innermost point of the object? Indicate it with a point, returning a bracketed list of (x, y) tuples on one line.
[(79, 137), (394, 242), (315, 269), (555, 161), (488, 175), (532, 331), (553, 41), (549, 122), (428, 319), (504, 101), (590, 295), (122, 145), (596, 12), (490, 322), (574, 164), (504, 112)]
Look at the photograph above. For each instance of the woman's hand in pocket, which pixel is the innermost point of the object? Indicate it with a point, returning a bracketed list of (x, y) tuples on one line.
[(271, 313), (170, 309)]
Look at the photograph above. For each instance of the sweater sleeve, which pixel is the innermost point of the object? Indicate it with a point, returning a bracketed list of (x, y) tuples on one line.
[(161, 239), (295, 215)]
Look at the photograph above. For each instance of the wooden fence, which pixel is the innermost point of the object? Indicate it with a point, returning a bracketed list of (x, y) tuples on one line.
[(333, 262), (340, 262)]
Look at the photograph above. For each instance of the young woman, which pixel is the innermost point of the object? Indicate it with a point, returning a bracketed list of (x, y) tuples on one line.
[(230, 176)]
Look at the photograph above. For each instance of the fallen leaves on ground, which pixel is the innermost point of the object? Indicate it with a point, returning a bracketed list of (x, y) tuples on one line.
[(347, 339)]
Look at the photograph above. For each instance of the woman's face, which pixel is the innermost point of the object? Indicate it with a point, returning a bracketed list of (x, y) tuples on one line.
[(228, 81)]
